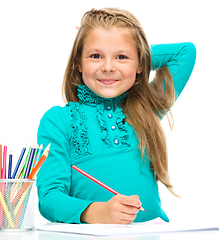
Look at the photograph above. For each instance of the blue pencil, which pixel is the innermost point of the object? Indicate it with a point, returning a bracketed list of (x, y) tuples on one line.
[(24, 208), (9, 165), (19, 162), (39, 154)]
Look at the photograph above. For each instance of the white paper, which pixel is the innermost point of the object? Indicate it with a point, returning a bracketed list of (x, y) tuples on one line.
[(154, 226)]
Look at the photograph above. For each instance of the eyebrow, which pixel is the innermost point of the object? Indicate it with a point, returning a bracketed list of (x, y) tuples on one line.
[(92, 50), (119, 52)]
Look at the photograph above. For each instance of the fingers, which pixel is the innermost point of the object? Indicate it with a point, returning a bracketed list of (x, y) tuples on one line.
[(125, 208), (129, 201), (119, 209), (125, 218)]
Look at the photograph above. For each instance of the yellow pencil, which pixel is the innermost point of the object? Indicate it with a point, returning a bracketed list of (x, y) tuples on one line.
[(6, 211)]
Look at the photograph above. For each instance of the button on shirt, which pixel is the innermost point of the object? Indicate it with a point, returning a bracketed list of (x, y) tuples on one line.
[(113, 131)]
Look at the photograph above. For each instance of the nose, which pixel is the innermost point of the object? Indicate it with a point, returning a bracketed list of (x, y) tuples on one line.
[(108, 66)]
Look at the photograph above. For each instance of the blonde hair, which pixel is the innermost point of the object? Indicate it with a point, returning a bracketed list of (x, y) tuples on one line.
[(145, 103)]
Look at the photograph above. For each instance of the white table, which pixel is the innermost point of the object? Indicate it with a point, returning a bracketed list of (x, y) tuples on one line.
[(40, 235)]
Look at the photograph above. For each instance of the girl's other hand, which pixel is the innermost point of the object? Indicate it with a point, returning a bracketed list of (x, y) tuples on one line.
[(119, 209)]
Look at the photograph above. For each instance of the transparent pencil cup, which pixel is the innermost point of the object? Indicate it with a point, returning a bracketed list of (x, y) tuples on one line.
[(17, 204)]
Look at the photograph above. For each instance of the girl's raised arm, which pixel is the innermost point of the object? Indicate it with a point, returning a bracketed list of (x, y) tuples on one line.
[(180, 60)]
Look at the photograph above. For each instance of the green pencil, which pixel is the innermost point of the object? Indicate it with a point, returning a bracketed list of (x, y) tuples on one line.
[(26, 162)]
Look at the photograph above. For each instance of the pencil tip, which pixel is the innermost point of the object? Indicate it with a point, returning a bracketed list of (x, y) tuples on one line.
[(48, 147), (142, 209)]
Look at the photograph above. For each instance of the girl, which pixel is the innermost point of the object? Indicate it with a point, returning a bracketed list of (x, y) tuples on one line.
[(110, 126)]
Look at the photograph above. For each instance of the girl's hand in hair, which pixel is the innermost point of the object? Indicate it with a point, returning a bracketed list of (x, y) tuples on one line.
[(119, 209)]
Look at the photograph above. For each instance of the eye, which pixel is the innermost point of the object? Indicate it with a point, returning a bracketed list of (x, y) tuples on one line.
[(96, 56), (121, 57)]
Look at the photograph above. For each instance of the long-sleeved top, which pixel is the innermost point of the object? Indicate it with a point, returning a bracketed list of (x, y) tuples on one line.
[(93, 135)]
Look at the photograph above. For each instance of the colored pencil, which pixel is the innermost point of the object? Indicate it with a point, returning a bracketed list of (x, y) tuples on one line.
[(23, 208), (2, 189), (32, 174), (22, 198), (29, 163), (19, 162), (21, 166), (18, 216), (26, 162), (39, 164), (4, 163), (38, 155), (13, 190), (0, 160), (19, 193), (4, 206), (34, 157), (98, 182), (7, 200), (9, 166)]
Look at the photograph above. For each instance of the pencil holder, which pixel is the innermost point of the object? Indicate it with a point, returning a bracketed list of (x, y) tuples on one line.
[(17, 204)]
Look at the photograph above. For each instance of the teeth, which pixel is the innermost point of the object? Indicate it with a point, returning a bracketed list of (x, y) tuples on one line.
[(107, 81)]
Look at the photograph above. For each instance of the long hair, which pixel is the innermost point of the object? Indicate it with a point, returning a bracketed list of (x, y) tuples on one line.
[(146, 102)]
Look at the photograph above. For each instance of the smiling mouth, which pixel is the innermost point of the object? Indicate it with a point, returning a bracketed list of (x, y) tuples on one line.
[(108, 81)]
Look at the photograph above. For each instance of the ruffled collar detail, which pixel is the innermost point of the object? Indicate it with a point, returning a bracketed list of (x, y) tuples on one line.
[(79, 121), (88, 97)]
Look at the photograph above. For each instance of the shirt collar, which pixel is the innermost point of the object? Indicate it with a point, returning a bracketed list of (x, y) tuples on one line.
[(88, 97)]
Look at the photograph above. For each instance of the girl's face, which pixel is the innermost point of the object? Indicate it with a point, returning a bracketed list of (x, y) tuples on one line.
[(109, 62)]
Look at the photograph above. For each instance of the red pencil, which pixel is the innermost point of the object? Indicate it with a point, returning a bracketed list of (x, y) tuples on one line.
[(98, 182), (4, 163)]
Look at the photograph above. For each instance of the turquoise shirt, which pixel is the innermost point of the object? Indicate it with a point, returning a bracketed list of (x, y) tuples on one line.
[(93, 135)]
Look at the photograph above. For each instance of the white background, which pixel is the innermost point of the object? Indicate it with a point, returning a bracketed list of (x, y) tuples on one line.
[(35, 42)]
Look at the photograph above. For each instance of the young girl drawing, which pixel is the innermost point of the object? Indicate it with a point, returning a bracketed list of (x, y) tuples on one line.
[(110, 127)]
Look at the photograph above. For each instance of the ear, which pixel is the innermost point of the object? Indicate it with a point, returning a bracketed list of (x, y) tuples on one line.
[(139, 69), (78, 63), (79, 68)]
